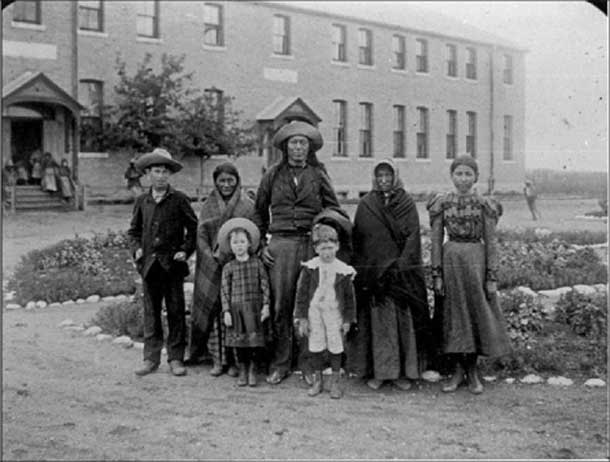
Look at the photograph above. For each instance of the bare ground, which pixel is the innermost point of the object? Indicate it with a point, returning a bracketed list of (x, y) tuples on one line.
[(71, 397)]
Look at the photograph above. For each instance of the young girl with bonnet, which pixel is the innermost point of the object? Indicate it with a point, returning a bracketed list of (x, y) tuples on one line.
[(244, 295)]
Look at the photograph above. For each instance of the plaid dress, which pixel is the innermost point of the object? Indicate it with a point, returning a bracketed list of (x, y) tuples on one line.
[(243, 292)]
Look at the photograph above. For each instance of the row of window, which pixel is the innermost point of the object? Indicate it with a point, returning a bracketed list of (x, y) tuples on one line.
[(365, 132), (91, 18)]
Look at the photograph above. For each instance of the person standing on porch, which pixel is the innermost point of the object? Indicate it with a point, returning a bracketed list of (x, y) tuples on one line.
[(162, 233)]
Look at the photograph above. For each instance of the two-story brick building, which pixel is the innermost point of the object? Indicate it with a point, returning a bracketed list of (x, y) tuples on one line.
[(379, 88)]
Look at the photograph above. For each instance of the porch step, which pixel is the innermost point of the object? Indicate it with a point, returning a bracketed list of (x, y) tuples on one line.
[(31, 197)]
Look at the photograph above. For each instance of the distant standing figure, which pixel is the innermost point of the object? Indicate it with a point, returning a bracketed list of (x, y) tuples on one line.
[(529, 191), (133, 175), (22, 173), (36, 164), (65, 180), (50, 171)]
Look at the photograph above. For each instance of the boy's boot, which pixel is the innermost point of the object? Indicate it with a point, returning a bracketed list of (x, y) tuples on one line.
[(336, 390), (456, 379), (474, 383), (252, 373), (216, 369), (316, 387), (242, 379)]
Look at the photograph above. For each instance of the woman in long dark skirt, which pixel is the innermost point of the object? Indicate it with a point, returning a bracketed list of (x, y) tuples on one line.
[(394, 332), (465, 272)]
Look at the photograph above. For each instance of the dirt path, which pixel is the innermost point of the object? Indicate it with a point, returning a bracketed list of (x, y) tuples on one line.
[(66, 396)]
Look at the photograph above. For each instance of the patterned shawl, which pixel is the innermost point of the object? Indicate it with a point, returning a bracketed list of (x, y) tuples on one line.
[(208, 271)]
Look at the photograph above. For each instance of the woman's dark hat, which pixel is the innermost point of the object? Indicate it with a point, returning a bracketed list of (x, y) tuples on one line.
[(298, 127), (158, 157), (234, 223)]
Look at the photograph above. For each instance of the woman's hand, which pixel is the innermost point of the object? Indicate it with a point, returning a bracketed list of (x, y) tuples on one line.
[(267, 258), (180, 256), (345, 327), (228, 320), (265, 313), (439, 288), (491, 287), (302, 327), (139, 253)]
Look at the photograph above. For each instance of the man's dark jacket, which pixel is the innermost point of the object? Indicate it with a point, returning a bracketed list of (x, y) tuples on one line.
[(163, 229)]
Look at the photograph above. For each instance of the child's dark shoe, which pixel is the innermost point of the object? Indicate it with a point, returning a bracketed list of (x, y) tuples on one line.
[(316, 387)]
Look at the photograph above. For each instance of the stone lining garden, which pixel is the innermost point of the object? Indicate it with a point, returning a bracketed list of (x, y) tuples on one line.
[(553, 292)]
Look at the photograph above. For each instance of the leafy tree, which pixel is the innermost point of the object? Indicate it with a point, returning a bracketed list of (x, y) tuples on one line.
[(161, 108)]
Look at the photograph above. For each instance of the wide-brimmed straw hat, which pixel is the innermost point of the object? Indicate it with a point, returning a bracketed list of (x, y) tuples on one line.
[(235, 223), (298, 127), (159, 156)]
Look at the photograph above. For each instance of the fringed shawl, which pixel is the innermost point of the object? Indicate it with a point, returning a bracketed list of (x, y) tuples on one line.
[(208, 271)]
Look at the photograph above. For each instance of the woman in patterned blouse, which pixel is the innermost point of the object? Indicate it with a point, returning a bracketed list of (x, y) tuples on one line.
[(464, 272)]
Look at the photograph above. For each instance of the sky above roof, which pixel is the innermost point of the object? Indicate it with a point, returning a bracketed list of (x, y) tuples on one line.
[(566, 65)]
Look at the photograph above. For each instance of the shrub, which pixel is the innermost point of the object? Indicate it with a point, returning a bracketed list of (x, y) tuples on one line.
[(574, 343), (123, 318), (585, 314), (529, 235), (523, 314), (547, 265), (75, 268)]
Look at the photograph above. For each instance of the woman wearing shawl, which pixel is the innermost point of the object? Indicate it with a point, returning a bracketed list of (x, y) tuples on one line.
[(393, 315), (223, 203)]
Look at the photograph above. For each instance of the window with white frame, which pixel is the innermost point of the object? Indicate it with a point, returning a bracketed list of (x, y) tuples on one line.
[(421, 57), (422, 133), (28, 11), (508, 138), (508, 69), (471, 136), (399, 52), (91, 96), (339, 42), (147, 19), (213, 33), (451, 134), (451, 60), (91, 15), (471, 63), (365, 47), (281, 35), (340, 130), (399, 131), (366, 129)]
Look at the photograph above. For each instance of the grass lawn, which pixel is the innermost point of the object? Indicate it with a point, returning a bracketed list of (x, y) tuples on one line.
[(25, 231)]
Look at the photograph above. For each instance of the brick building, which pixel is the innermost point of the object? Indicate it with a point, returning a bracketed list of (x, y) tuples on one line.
[(421, 90)]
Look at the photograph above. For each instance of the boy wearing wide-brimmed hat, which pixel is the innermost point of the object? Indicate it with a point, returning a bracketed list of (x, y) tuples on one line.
[(163, 233)]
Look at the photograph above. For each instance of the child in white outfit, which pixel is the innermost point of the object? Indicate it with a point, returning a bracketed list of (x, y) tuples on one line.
[(325, 306)]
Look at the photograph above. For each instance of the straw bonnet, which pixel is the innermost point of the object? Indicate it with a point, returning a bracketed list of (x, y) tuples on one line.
[(298, 127), (159, 156), (234, 223)]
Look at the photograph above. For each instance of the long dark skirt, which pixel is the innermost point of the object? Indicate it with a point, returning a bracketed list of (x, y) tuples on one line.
[(384, 346), (471, 323)]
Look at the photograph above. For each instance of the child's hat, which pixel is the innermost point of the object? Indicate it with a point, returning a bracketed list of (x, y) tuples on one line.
[(323, 233), (235, 223)]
